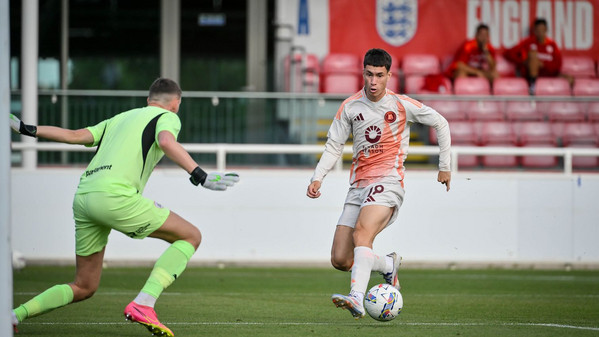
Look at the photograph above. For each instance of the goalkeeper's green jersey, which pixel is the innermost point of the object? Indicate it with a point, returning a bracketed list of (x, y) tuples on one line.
[(127, 150)]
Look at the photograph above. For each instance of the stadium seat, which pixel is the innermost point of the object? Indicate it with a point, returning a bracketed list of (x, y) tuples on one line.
[(586, 87), (593, 112), (522, 111), (462, 134), (565, 112), (536, 134), (305, 73), (471, 86), (504, 67), (451, 110), (510, 86), (498, 134), (415, 84), (341, 73), (552, 86), (420, 64), (581, 135), (578, 66), (484, 110)]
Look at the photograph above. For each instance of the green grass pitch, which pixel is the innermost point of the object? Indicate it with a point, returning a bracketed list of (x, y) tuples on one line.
[(296, 302)]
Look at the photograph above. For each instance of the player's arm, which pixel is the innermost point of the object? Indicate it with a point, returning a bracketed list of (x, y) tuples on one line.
[(417, 112), (175, 151), (330, 156), (54, 133)]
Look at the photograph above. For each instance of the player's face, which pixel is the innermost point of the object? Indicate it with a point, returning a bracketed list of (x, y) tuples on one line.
[(482, 37), (540, 31), (375, 82)]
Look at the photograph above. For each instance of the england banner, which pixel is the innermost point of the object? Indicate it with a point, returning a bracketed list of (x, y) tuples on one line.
[(439, 27)]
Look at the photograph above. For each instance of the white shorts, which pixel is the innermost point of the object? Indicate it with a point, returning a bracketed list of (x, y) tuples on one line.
[(388, 194)]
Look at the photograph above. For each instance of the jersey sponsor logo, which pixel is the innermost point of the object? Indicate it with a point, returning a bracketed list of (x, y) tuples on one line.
[(390, 117), (396, 20), (157, 205), (97, 169), (374, 190), (138, 232), (359, 118), (373, 134)]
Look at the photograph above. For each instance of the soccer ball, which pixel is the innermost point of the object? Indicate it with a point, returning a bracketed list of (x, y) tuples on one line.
[(383, 302)]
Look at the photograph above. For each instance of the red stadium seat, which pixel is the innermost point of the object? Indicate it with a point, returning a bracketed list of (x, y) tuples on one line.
[(471, 86), (341, 73), (565, 112), (552, 86), (462, 134), (510, 86), (420, 64), (581, 135), (484, 110), (416, 84), (593, 112), (504, 67), (522, 111), (498, 134), (578, 66), (451, 110), (586, 87), (305, 73), (536, 134)]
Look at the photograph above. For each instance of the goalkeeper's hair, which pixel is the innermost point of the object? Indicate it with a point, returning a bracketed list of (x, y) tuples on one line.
[(377, 58), (164, 88)]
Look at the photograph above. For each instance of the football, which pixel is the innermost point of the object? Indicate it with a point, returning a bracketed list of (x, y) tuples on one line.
[(383, 302)]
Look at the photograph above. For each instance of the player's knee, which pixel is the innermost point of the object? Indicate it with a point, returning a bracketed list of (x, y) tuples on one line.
[(341, 264), (195, 237), (83, 292)]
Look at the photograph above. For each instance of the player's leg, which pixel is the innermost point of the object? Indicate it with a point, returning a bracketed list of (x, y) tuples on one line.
[(185, 239), (87, 280), (342, 251)]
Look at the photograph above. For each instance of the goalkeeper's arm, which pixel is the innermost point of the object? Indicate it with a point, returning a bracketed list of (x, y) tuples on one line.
[(175, 151), (57, 134)]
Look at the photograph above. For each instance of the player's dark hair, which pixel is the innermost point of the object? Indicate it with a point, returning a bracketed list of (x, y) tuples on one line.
[(164, 86), (377, 58), (480, 27), (540, 21)]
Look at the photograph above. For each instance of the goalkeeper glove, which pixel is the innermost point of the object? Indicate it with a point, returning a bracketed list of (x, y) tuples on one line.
[(18, 126), (215, 181)]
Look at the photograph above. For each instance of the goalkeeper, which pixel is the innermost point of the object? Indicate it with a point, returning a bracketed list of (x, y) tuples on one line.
[(109, 196)]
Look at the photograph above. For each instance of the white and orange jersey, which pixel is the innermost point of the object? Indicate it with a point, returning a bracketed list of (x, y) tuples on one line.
[(381, 134)]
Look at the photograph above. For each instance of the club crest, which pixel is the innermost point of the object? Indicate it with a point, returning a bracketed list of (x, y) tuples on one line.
[(396, 20)]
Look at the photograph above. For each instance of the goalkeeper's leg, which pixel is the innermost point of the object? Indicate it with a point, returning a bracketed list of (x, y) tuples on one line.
[(87, 279), (185, 239)]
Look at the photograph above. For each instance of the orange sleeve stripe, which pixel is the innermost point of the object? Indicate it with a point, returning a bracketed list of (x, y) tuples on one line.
[(411, 100), (356, 96)]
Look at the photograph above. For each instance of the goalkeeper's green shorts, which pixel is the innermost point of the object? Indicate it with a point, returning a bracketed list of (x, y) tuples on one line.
[(97, 213)]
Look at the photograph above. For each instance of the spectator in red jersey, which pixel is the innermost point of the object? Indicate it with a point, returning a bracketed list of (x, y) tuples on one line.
[(537, 55), (475, 57)]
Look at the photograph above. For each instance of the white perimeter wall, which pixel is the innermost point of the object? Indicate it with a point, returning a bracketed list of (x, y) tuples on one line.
[(502, 218)]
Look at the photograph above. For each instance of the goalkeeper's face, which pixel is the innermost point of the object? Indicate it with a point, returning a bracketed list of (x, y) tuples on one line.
[(375, 81)]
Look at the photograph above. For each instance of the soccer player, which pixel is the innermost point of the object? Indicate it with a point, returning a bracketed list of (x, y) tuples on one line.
[(475, 57), (380, 123), (109, 196), (537, 55)]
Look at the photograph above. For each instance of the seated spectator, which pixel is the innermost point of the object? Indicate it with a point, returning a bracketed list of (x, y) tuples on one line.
[(537, 55), (475, 57)]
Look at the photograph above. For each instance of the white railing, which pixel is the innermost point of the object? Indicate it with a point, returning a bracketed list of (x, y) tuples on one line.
[(221, 150)]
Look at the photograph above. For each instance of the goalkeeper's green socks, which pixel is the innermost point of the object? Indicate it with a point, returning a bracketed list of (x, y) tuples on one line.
[(55, 297), (166, 270)]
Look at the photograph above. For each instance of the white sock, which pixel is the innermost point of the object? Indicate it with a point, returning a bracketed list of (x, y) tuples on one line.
[(145, 299), (360, 272), (380, 264)]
